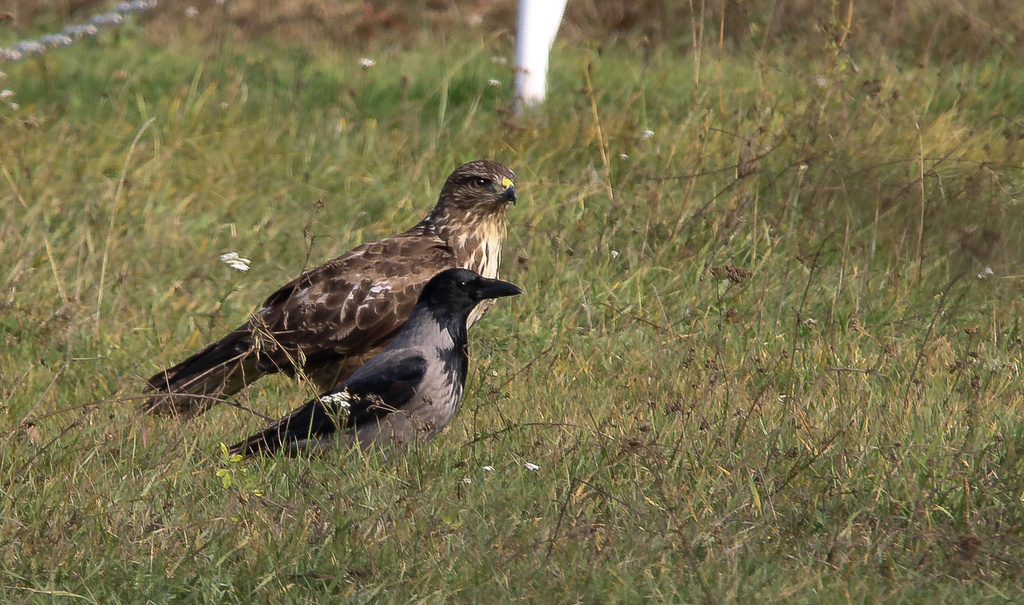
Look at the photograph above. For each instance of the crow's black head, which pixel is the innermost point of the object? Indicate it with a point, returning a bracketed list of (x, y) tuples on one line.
[(459, 290), (479, 185)]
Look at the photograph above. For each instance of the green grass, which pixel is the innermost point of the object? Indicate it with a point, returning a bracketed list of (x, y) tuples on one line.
[(782, 382)]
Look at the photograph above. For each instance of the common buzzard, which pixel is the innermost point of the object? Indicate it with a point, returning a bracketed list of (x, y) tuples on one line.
[(331, 319)]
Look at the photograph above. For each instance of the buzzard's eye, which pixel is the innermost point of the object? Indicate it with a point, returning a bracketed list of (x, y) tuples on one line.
[(477, 182)]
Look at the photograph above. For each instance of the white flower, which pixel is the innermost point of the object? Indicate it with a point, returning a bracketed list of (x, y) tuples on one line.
[(494, 82), (466, 480), (988, 271), (366, 63), (615, 254), (488, 469), (531, 466), (234, 261), (191, 12), (6, 93), (623, 156), (647, 134), (340, 399)]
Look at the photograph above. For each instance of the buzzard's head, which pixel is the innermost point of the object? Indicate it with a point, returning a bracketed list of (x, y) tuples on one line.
[(482, 186)]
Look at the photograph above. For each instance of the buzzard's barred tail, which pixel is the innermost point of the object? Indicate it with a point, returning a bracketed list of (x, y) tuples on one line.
[(305, 430), (194, 385)]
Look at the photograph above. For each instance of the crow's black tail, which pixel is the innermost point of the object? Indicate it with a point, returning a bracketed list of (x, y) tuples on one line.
[(310, 427)]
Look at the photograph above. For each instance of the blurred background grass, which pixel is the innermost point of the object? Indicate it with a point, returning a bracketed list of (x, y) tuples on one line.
[(919, 31), (769, 351)]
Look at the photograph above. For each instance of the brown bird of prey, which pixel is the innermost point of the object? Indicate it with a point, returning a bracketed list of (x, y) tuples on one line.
[(331, 319)]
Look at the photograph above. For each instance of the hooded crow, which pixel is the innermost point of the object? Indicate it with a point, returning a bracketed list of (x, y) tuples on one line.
[(331, 319), (408, 392)]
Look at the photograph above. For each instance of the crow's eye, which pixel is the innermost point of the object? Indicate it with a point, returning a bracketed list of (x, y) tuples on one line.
[(477, 182)]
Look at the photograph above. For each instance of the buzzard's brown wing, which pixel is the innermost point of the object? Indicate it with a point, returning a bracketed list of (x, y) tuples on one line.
[(346, 308), (353, 303)]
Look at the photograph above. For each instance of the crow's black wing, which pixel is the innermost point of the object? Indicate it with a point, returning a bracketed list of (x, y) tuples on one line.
[(384, 385), (367, 397)]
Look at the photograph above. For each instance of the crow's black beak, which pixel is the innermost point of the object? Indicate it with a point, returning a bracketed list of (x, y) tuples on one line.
[(495, 288)]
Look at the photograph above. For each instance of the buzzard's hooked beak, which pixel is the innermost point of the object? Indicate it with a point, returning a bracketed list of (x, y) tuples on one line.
[(509, 194), (495, 288)]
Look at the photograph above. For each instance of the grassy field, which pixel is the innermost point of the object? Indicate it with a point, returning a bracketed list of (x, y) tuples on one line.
[(770, 347)]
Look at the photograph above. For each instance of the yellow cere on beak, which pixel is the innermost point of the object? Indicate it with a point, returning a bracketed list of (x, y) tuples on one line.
[(506, 182)]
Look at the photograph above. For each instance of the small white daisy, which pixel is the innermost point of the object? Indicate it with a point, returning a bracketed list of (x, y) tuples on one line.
[(234, 261), (340, 399)]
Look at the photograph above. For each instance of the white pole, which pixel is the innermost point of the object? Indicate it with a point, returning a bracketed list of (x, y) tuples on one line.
[(537, 25)]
